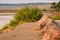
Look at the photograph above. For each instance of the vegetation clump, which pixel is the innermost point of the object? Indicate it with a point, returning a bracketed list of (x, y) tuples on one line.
[(56, 17), (26, 14), (56, 6)]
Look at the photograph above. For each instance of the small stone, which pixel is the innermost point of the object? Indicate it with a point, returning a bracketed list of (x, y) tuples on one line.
[(14, 36), (0, 31)]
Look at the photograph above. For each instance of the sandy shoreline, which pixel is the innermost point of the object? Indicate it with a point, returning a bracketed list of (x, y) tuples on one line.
[(6, 14)]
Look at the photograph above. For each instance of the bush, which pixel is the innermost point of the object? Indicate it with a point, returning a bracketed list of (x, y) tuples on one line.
[(26, 14), (13, 23), (4, 27), (44, 9), (56, 17)]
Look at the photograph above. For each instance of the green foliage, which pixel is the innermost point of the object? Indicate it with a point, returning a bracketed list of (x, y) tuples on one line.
[(4, 27), (13, 23), (44, 9), (56, 17), (56, 6), (26, 14)]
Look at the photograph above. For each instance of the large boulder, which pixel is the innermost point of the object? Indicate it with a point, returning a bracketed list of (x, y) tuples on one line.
[(49, 29), (42, 22)]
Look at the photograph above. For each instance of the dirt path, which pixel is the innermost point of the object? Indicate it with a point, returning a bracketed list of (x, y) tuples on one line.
[(26, 31)]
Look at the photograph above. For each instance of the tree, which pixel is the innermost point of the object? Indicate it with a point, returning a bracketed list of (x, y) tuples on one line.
[(58, 6), (55, 6)]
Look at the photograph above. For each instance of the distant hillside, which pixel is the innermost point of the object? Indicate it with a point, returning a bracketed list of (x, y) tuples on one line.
[(14, 6)]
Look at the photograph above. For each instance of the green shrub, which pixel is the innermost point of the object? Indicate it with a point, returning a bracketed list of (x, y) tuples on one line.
[(56, 17), (13, 23), (4, 27), (26, 14), (44, 9)]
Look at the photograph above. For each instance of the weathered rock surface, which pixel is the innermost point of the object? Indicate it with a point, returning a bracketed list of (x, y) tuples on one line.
[(49, 29)]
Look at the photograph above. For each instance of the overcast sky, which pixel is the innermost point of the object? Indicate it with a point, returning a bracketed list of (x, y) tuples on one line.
[(27, 1)]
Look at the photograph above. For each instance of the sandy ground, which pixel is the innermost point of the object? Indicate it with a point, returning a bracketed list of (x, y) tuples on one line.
[(26, 31)]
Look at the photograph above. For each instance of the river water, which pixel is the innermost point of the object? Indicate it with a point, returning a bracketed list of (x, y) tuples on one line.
[(5, 19)]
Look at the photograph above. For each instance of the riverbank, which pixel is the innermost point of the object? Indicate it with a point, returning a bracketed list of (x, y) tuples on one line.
[(6, 14)]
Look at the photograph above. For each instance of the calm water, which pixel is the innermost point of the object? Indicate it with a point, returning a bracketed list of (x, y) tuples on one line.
[(5, 20)]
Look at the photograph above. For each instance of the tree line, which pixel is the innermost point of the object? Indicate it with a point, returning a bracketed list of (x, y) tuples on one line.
[(56, 6)]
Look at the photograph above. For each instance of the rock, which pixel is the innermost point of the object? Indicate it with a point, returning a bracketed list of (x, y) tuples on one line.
[(50, 30), (42, 22)]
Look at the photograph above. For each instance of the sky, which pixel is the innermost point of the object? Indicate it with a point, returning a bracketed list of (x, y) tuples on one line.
[(26, 1)]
